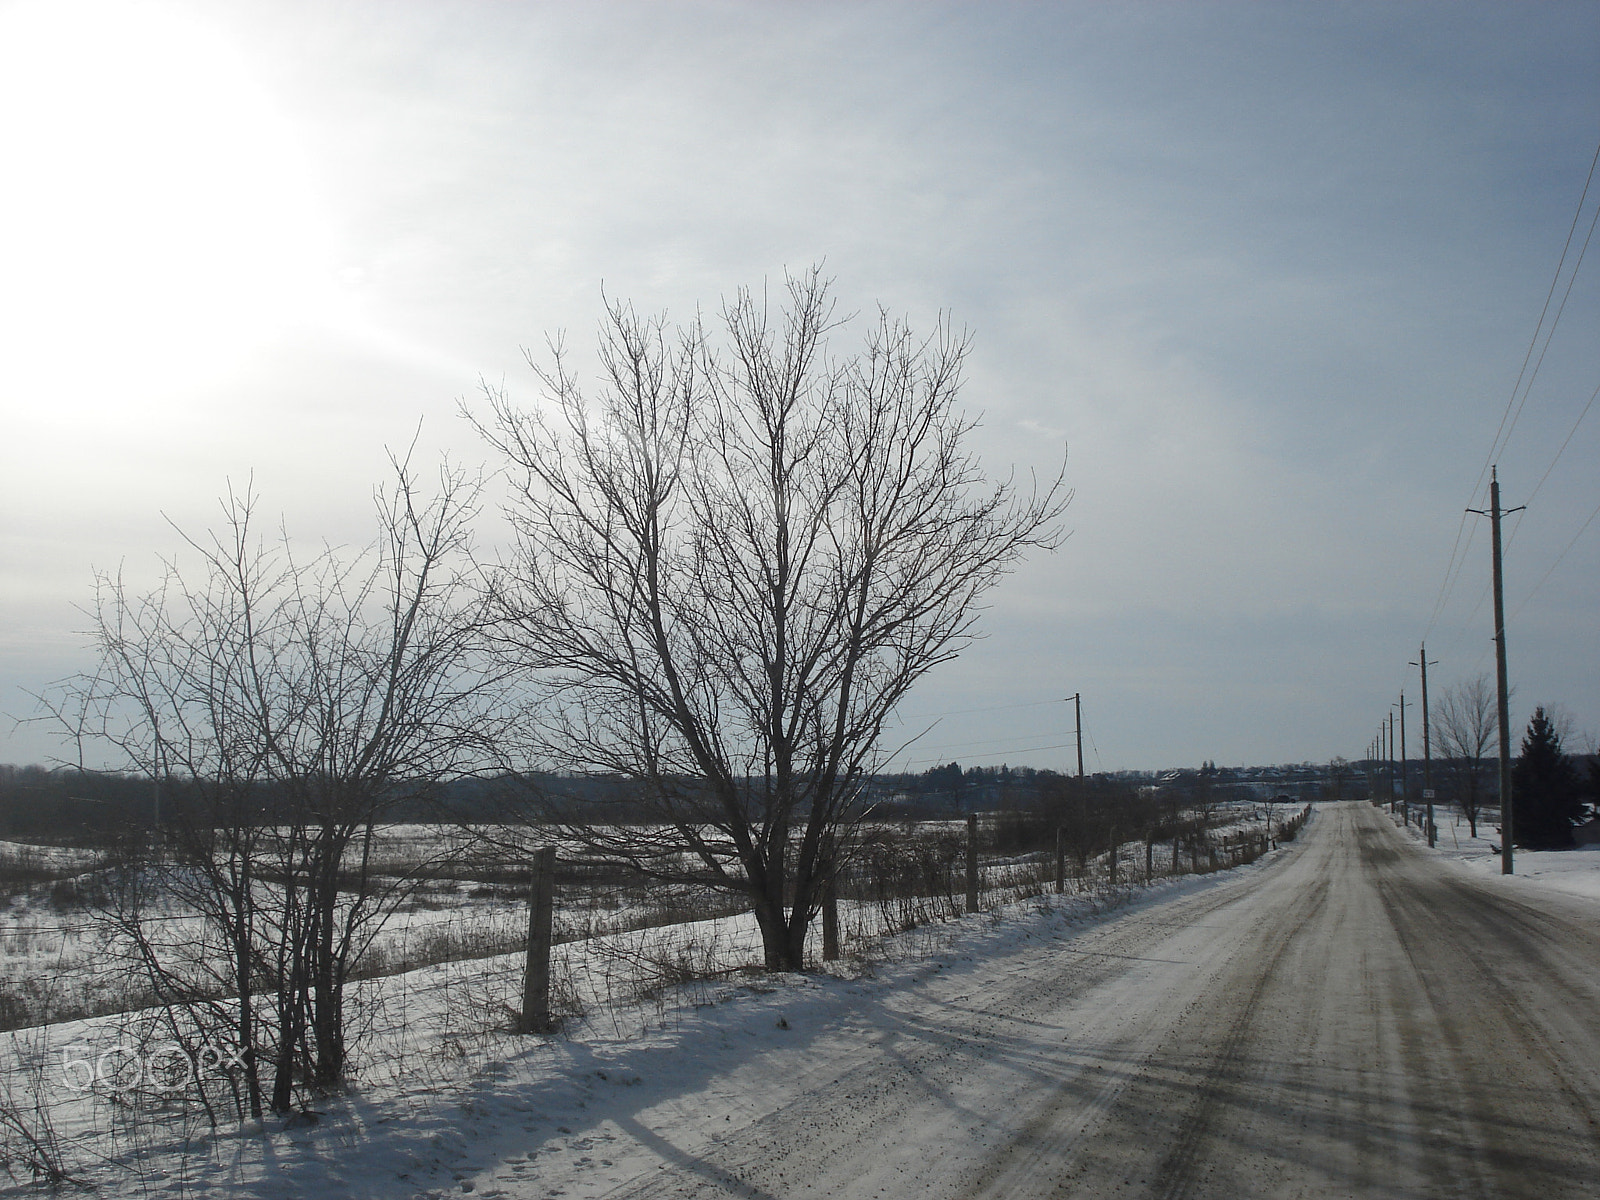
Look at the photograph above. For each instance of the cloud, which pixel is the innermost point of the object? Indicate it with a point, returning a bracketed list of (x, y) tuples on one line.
[(1269, 273)]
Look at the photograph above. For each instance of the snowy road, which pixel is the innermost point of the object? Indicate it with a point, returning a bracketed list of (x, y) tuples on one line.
[(1357, 1019)]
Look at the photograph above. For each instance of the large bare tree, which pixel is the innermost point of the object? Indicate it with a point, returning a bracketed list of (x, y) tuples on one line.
[(286, 705), (1465, 728), (732, 561)]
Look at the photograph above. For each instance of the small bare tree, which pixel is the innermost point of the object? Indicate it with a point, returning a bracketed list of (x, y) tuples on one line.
[(1339, 774), (733, 564), (287, 706), (1465, 729)]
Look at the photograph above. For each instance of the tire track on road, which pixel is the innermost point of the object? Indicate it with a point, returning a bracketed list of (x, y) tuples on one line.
[(1510, 1017), (1176, 1176)]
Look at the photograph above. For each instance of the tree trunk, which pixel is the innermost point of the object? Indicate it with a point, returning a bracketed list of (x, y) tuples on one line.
[(291, 1021), (830, 921), (242, 979), (770, 921), (794, 942), (326, 973), (327, 1004)]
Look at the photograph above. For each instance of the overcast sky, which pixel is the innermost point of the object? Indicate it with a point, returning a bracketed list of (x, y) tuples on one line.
[(1270, 271)]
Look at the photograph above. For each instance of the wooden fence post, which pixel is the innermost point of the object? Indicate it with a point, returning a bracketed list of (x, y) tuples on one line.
[(1061, 860), (541, 919), (972, 862)]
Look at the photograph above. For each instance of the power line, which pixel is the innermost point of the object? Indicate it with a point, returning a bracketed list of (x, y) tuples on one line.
[(1555, 281), (1557, 563), (1571, 280), (1565, 443), (962, 712), (1513, 409), (1094, 748), (949, 746), (1452, 571), (1567, 549), (1025, 750)]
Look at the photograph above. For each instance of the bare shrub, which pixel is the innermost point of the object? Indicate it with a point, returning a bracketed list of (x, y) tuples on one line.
[(31, 1148)]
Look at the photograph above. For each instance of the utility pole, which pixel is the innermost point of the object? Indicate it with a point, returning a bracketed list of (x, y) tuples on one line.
[(1083, 802), (1385, 738), (1507, 801), (1427, 746), (1077, 716), (1391, 760), (1405, 791)]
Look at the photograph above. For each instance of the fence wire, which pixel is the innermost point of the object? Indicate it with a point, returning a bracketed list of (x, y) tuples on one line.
[(434, 999)]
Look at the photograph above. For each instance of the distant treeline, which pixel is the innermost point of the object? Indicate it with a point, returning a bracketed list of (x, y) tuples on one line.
[(92, 807), (89, 807)]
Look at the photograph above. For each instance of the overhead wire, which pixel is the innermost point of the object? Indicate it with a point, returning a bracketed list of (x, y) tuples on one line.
[(951, 746), (1021, 750), (1567, 440), (1518, 398), (1452, 572), (1497, 444), (962, 712), (1565, 296), (1555, 459), (1571, 280), (1546, 576), (945, 754), (1094, 749)]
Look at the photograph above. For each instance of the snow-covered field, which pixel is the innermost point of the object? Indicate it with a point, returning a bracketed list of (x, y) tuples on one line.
[(1574, 871), (451, 1102), (59, 962), (446, 1097), (446, 1093)]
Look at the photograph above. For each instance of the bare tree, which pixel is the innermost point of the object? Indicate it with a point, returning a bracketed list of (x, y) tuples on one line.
[(1339, 775), (1465, 730), (734, 563), (287, 706)]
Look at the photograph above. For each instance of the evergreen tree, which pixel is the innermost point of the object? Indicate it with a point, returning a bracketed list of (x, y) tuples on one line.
[(1544, 789)]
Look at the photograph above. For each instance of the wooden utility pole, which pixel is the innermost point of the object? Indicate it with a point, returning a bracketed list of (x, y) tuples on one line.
[(1502, 693), (1391, 760), (1405, 790), (541, 919), (1427, 745), (1077, 717)]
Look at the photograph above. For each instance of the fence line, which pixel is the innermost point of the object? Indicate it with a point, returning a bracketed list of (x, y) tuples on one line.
[(444, 992)]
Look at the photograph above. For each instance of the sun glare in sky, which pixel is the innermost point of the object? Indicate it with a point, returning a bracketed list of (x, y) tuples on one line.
[(158, 220)]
